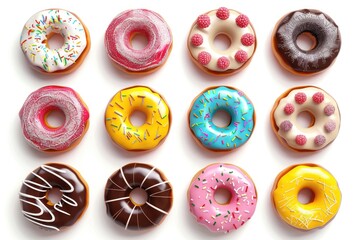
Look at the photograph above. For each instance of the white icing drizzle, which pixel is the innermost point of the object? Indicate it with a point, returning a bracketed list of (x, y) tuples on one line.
[(36, 32), (38, 201)]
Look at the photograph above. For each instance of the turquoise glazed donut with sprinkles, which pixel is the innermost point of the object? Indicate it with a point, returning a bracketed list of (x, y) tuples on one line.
[(228, 99)]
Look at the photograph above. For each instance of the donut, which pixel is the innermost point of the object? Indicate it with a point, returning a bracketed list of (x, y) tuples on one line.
[(128, 213), (207, 104), (34, 113), (319, 28), (221, 22), (318, 211), (40, 210), (128, 24), (137, 138), (41, 27), (228, 216), (323, 109)]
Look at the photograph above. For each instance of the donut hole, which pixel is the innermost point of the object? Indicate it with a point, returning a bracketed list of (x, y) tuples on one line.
[(55, 118), (137, 118), (222, 42), (305, 119), (221, 119), (222, 196), (54, 196), (306, 196), (55, 41), (139, 40), (138, 196), (306, 41)]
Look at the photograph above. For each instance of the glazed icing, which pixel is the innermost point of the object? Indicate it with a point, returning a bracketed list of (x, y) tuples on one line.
[(312, 215), (315, 101), (235, 26), (240, 109), (129, 214), (44, 100), (222, 217), (43, 24), (128, 23), (123, 132), (321, 27), (38, 209)]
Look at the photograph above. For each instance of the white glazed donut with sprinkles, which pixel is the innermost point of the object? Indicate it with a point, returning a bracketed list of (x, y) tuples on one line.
[(234, 25), (323, 110), (41, 27)]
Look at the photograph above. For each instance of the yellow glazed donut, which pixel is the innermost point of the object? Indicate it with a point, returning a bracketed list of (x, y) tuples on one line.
[(316, 213), (137, 138)]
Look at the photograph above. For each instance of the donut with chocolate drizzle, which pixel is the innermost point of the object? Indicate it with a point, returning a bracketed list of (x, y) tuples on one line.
[(39, 209), (121, 206), (320, 28)]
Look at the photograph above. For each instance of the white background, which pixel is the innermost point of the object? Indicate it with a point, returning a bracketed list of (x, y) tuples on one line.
[(179, 81)]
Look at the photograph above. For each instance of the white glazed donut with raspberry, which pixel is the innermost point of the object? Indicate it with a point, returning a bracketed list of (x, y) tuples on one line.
[(323, 110), (236, 27)]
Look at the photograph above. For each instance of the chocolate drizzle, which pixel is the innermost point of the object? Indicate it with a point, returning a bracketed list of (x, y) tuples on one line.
[(36, 206), (128, 213), (321, 27)]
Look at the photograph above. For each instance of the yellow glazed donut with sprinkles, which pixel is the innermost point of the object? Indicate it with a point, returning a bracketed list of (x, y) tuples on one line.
[(137, 138)]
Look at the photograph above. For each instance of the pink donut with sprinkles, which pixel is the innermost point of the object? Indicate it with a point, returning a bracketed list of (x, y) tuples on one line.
[(34, 118), (222, 22), (322, 110), (124, 27), (225, 216)]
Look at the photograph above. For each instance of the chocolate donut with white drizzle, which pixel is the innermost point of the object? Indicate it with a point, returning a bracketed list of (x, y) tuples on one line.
[(40, 210), (124, 210)]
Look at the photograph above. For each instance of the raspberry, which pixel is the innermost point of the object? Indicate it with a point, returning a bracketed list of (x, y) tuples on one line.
[(247, 39), (241, 56), (286, 126), (196, 40), (223, 63), (203, 21), (204, 58), (319, 140), (242, 21), (223, 13), (330, 126), (300, 140), (329, 110), (300, 97), (318, 97), (289, 109)]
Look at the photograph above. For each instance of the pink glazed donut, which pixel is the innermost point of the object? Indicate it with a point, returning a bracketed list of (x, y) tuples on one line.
[(34, 118), (228, 216), (128, 24)]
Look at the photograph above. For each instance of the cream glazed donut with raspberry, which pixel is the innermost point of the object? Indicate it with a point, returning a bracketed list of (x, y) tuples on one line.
[(236, 27), (323, 110)]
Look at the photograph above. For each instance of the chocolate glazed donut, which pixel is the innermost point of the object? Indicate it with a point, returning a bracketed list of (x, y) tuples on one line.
[(35, 202), (130, 214), (319, 27)]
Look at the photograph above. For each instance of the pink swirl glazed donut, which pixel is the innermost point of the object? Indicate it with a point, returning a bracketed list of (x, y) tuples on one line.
[(228, 216), (36, 129), (230, 23), (122, 29)]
